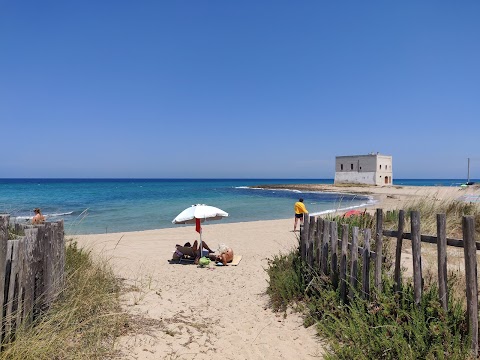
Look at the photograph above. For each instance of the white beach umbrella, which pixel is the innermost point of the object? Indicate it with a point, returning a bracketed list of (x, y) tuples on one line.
[(197, 214)]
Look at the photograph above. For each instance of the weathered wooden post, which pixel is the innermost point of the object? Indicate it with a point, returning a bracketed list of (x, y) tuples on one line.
[(334, 258), (39, 271), (366, 264), (61, 233), (325, 241), (470, 251), (318, 241), (303, 245), (417, 257), (11, 281), (4, 219), (29, 275), (378, 251), (19, 229), (311, 240), (304, 232), (21, 282), (343, 263), (398, 251), (55, 260), (354, 263), (442, 260), (48, 263)]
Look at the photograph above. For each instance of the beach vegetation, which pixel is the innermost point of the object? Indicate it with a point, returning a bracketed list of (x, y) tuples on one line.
[(287, 281), (84, 320), (388, 325)]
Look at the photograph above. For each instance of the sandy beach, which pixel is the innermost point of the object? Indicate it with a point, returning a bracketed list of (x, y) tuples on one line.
[(186, 312)]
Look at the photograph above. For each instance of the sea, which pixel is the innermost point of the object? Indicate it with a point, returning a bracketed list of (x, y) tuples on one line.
[(93, 206)]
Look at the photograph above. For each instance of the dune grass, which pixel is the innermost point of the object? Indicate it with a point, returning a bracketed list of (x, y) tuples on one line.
[(390, 325), (84, 320)]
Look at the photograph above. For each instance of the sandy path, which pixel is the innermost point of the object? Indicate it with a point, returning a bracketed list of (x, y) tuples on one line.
[(200, 313)]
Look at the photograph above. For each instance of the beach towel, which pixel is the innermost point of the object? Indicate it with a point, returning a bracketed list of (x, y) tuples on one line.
[(236, 260)]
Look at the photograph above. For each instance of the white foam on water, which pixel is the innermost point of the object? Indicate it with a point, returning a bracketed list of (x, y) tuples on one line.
[(59, 214), (370, 202)]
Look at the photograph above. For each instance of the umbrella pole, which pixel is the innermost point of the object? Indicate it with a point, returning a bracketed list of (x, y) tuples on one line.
[(201, 245)]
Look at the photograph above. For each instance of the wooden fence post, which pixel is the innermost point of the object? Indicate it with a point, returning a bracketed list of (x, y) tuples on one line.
[(442, 260), (470, 251), (318, 241), (19, 229), (39, 271), (4, 219), (62, 253), (417, 257), (303, 245), (378, 251), (343, 263), (311, 240), (354, 263), (366, 265), (11, 281), (48, 263), (398, 251), (29, 275), (334, 258), (326, 238), (21, 282)]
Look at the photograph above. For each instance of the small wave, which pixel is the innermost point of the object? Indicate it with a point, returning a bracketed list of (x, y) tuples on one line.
[(272, 189), (47, 216), (59, 214), (329, 211), (23, 217)]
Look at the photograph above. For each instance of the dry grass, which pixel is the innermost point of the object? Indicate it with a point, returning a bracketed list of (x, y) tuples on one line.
[(84, 320), (454, 210), (428, 207)]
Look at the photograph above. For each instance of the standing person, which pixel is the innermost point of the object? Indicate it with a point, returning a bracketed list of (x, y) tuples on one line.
[(38, 218), (300, 210)]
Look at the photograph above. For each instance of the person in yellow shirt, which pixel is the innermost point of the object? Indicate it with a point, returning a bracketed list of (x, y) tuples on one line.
[(300, 209)]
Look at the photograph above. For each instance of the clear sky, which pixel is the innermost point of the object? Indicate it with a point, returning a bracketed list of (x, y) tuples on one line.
[(238, 89)]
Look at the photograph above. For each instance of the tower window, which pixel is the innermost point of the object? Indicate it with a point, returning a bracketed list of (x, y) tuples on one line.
[(341, 166), (351, 166)]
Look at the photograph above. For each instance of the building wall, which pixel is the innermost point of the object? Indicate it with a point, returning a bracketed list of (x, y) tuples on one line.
[(364, 169), (361, 163), (355, 178), (385, 170)]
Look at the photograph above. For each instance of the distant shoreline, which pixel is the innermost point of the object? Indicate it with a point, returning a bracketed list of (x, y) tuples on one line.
[(389, 197)]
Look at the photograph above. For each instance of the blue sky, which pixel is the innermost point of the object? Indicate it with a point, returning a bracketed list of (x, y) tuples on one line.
[(263, 89)]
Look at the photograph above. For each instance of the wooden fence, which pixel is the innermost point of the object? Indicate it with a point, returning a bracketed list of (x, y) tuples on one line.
[(320, 244), (32, 268)]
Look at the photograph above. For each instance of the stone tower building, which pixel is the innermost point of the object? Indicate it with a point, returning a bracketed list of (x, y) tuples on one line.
[(371, 169)]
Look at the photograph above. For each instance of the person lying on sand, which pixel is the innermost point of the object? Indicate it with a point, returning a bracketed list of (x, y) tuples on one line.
[(226, 254), (193, 251)]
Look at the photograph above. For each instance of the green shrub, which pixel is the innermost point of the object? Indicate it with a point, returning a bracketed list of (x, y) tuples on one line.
[(286, 280), (390, 326)]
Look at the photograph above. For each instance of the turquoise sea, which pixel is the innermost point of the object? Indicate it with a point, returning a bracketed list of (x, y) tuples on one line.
[(117, 205)]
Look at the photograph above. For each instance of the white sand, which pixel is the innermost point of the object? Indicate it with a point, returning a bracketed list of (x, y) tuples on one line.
[(205, 313), (186, 312)]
